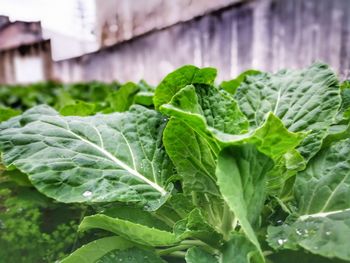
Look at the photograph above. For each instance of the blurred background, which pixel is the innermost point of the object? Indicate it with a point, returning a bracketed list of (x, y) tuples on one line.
[(107, 40)]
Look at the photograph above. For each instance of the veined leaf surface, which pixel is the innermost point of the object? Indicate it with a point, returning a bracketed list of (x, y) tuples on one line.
[(323, 195), (198, 255), (271, 138), (180, 78), (131, 255), (96, 249), (102, 158), (137, 233), (241, 174), (305, 100)]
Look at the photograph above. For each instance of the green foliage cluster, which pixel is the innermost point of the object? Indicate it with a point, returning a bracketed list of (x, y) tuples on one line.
[(29, 233), (256, 169)]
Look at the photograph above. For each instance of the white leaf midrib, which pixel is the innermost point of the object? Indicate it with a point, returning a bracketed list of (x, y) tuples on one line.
[(117, 161), (323, 214)]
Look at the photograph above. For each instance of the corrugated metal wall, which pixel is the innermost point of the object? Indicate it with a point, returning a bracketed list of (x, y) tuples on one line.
[(263, 34)]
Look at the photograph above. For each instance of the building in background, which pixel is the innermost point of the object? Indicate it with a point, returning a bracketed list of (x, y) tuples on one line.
[(120, 20), (25, 56), (126, 40)]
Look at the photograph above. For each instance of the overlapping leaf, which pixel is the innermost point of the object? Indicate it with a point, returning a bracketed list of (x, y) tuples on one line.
[(137, 233), (103, 158), (305, 100), (241, 173), (323, 195)]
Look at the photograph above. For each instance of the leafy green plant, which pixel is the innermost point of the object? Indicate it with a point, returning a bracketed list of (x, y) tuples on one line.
[(253, 170)]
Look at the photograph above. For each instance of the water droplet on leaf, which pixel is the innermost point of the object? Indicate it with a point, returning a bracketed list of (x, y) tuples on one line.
[(281, 241), (87, 193)]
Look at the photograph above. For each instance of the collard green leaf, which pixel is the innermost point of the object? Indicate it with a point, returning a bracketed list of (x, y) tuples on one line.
[(144, 98), (123, 98), (285, 167), (180, 78), (241, 174), (305, 100), (324, 234), (131, 255), (195, 226), (95, 250), (240, 249), (271, 138), (137, 233), (102, 158), (198, 255), (288, 256), (192, 157), (78, 108), (136, 215), (329, 175), (232, 85), (323, 195)]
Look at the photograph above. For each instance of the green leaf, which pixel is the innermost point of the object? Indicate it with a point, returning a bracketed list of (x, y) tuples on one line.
[(323, 195), (95, 250), (180, 78), (232, 85), (102, 158), (135, 215), (123, 98), (240, 249), (192, 157), (241, 174), (137, 233), (198, 255), (131, 255), (271, 138), (300, 257), (195, 226), (329, 175), (285, 167), (78, 108), (181, 204), (305, 100), (144, 98), (7, 113)]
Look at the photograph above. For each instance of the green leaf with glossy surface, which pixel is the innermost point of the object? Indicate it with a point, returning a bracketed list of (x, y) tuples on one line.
[(131, 255), (180, 78), (102, 158), (323, 195), (137, 233), (78, 108), (136, 215), (305, 100), (95, 250), (288, 256), (198, 255), (195, 226), (271, 138), (232, 85), (123, 98), (192, 157), (241, 174)]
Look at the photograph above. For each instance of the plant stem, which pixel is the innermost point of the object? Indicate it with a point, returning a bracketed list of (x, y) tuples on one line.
[(177, 254), (83, 212), (201, 244), (165, 219), (167, 251), (226, 225)]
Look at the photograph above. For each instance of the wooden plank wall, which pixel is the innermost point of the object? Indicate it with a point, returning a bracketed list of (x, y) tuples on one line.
[(262, 34)]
